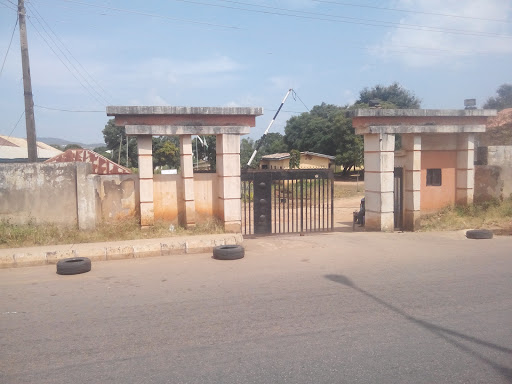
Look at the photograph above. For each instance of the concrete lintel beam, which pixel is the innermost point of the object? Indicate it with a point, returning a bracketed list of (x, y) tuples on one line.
[(404, 129), (374, 112), (172, 130), (174, 110)]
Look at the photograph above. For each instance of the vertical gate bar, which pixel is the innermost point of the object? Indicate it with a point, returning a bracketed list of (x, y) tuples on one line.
[(273, 185), (279, 203), (323, 204), (313, 227), (331, 181), (310, 206), (251, 186), (288, 202), (301, 206), (245, 206), (293, 188)]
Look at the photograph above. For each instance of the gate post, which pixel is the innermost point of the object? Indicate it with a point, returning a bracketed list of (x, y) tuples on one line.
[(228, 172), (187, 182), (412, 146), (465, 177), (145, 151), (379, 164)]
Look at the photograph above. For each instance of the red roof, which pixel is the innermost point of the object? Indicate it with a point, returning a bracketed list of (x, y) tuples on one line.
[(100, 164)]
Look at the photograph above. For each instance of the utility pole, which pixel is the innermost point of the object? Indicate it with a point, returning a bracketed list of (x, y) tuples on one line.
[(27, 87)]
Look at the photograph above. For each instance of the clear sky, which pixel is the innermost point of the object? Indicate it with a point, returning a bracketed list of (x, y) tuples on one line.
[(87, 54)]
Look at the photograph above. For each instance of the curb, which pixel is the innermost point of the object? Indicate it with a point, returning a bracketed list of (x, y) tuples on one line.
[(130, 249)]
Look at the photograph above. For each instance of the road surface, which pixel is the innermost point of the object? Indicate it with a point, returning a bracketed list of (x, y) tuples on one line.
[(331, 308)]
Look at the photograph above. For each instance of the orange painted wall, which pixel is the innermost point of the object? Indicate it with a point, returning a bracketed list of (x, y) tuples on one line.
[(434, 198)]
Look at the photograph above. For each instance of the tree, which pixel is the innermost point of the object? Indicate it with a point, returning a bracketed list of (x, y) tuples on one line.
[(207, 150), (166, 152), (502, 100), (115, 141), (72, 146), (325, 129), (247, 147), (294, 159), (392, 96)]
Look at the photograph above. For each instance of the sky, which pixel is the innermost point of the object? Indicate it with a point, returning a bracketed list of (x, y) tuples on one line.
[(87, 54)]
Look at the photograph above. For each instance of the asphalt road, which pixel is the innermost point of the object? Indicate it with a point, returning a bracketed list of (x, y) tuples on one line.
[(336, 308)]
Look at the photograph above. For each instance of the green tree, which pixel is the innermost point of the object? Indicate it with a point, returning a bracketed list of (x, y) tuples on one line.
[(72, 146), (325, 129), (247, 147), (166, 152), (502, 100), (294, 159), (392, 96), (207, 150), (115, 141)]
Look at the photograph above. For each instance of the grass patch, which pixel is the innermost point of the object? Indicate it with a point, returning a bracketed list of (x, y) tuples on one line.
[(31, 234), (494, 214)]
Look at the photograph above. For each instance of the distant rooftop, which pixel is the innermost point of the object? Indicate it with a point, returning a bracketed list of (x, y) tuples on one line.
[(14, 149), (286, 155)]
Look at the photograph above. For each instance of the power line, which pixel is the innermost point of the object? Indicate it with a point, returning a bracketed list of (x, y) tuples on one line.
[(410, 11), (63, 63), (151, 14), (68, 110), (346, 19), (15, 125), (9, 47), (8, 6), (63, 45), (294, 94)]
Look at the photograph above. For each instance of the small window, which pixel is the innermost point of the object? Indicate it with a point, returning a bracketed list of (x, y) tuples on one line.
[(434, 177), (264, 166)]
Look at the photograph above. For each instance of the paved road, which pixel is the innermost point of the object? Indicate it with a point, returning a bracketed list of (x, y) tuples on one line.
[(336, 308)]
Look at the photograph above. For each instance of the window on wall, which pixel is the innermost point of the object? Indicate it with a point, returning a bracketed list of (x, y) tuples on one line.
[(434, 177)]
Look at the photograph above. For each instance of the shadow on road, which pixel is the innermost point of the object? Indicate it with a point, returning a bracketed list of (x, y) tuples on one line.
[(437, 330)]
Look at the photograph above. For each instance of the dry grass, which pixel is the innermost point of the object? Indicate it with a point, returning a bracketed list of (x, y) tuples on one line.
[(495, 215), (345, 189), (28, 235)]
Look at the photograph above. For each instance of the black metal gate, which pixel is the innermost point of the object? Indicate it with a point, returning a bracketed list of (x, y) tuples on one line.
[(285, 201), (398, 196)]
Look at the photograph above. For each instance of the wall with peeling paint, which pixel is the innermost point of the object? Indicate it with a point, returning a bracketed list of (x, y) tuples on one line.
[(39, 193), (70, 194)]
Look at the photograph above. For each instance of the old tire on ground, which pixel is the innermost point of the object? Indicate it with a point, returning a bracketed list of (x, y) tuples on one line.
[(228, 252), (73, 266), (479, 234)]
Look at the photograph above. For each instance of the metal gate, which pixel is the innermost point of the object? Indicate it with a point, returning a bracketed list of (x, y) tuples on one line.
[(398, 196), (286, 201)]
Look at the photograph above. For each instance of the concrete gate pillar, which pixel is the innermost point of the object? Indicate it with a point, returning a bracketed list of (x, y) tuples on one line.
[(145, 150), (412, 180), (379, 165), (228, 172), (465, 177), (187, 176)]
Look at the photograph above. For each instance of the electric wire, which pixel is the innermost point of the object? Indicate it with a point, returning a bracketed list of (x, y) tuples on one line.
[(9, 46), (63, 63), (109, 97), (15, 125), (347, 20), (8, 6), (68, 110), (294, 94), (104, 100), (151, 14), (410, 11)]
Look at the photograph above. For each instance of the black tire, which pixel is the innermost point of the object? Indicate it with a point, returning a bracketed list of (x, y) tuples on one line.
[(479, 234), (228, 252), (73, 266)]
